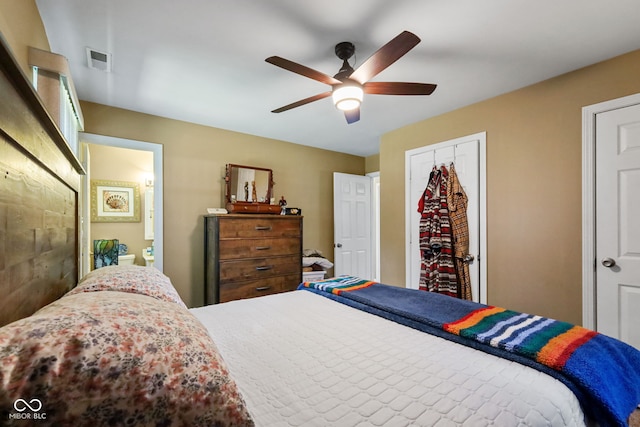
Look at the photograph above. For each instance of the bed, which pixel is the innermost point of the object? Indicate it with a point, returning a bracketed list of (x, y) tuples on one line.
[(121, 348), (347, 351), (302, 359)]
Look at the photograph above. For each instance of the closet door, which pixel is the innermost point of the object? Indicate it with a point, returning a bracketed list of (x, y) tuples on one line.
[(467, 154)]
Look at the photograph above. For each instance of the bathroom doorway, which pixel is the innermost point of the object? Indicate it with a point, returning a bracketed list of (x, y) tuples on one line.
[(150, 179)]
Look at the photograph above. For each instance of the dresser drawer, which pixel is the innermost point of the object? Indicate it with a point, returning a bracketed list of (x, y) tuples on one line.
[(259, 268), (256, 288), (253, 248), (259, 228)]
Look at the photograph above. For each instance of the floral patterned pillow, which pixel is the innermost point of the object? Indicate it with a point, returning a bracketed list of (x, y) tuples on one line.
[(130, 278), (115, 358)]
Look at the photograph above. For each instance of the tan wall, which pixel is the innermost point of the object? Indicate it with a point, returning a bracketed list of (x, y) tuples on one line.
[(533, 178), (194, 159), (22, 27), (372, 163), (194, 165), (122, 164), (534, 147)]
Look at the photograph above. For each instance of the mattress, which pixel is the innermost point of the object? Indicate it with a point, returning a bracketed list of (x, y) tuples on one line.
[(302, 359)]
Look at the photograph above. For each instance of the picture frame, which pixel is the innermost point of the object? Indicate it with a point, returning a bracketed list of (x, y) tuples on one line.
[(115, 201)]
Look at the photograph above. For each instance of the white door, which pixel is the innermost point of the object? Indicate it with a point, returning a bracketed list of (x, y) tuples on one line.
[(467, 153), (352, 225), (618, 223)]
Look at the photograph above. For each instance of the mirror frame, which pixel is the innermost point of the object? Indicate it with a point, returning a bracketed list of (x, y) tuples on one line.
[(249, 207)]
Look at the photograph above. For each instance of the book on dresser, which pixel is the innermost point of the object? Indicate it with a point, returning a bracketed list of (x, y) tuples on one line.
[(251, 255)]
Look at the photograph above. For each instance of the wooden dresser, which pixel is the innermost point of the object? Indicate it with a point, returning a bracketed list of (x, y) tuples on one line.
[(251, 255)]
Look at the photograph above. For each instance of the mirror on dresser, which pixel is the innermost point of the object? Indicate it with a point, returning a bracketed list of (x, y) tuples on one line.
[(249, 189)]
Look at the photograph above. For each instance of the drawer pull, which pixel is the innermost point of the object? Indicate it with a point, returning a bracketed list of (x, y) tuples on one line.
[(263, 227), (264, 267), (263, 288), (263, 248)]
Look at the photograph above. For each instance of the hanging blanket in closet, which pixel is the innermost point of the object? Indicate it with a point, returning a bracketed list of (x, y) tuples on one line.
[(603, 372)]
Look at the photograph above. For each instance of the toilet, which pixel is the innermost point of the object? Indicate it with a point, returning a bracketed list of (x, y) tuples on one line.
[(126, 259)]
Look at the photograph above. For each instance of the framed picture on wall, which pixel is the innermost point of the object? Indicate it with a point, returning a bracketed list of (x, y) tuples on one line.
[(115, 201)]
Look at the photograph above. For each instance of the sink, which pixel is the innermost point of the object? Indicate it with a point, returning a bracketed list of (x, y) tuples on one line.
[(148, 259)]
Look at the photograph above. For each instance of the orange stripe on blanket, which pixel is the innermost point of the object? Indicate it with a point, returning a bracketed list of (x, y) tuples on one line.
[(471, 319), (558, 350), (338, 291)]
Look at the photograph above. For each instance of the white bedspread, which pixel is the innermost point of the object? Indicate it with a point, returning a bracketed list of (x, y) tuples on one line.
[(302, 359)]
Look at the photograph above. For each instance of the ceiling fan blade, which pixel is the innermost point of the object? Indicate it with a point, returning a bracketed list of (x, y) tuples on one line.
[(352, 116), (398, 88), (302, 70), (385, 56), (302, 102)]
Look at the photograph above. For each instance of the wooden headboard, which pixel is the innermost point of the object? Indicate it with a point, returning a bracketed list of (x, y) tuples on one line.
[(39, 184)]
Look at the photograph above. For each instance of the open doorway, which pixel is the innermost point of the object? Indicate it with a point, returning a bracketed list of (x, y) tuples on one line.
[(153, 180)]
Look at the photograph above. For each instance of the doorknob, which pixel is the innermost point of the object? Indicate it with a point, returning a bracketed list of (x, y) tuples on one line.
[(467, 259), (338, 245), (608, 262)]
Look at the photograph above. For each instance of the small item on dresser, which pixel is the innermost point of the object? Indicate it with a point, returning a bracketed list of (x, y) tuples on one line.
[(292, 211), (216, 211), (249, 190)]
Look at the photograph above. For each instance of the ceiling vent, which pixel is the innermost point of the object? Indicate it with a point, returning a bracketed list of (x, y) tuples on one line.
[(98, 60)]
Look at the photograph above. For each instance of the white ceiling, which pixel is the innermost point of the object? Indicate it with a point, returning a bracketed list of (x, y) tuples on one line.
[(202, 61)]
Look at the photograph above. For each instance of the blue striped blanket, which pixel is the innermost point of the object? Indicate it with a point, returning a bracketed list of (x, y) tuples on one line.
[(602, 372)]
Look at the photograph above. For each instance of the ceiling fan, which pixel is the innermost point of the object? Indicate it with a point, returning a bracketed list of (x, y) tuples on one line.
[(349, 85)]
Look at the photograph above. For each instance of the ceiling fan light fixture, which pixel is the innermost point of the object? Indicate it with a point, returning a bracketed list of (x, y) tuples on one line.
[(347, 96), (348, 86)]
